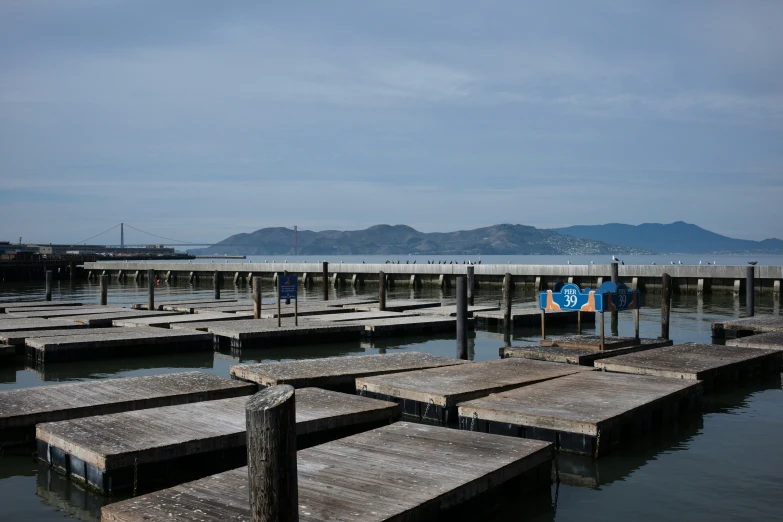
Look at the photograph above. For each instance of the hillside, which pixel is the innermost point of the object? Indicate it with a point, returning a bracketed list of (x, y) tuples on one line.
[(678, 237), (402, 240)]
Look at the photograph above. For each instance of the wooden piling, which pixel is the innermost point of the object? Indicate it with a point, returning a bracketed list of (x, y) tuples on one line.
[(104, 281), (616, 281), (72, 270), (48, 285), (381, 291), (271, 455), (256, 282), (277, 298), (666, 303), (462, 317), (150, 289), (507, 286), (750, 298), (325, 280), (217, 284), (471, 280)]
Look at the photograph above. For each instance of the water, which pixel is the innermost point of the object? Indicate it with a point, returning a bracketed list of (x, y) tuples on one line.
[(721, 464)]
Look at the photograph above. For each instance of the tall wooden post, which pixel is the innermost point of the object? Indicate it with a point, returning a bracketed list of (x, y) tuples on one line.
[(750, 297), (325, 280), (72, 270), (507, 286), (104, 279), (616, 281), (256, 282), (277, 297), (48, 285), (217, 284), (543, 325), (381, 291), (150, 289), (271, 455), (471, 280), (462, 317), (579, 322), (666, 304)]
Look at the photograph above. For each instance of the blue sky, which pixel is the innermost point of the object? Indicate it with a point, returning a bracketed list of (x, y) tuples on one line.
[(200, 119)]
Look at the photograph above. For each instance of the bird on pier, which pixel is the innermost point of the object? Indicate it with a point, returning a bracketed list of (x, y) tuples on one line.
[(653, 262), (679, 262), (592, 262), (614, 258), (414, 261), (569, 262), (708, 262), (622, 262), (752, 262), (700, 261)]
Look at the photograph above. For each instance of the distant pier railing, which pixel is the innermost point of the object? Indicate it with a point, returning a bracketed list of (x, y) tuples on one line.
[(699, 279)]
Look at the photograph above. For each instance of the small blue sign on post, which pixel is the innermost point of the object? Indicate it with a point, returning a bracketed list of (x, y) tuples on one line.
[(288, 287), (623, 298)]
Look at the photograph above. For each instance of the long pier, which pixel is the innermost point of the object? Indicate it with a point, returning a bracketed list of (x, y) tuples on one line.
[(685, 278)]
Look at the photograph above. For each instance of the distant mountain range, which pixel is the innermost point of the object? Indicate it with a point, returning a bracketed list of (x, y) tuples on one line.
[(674, 238), (401, 239)]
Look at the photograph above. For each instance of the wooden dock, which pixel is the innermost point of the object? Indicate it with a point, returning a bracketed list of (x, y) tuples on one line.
[(105, 342), (106, 319), (398, 305), (530, 316), (588, 342), (432, 394), (264, 333), (59, 313), (747, 326), (14, 305), (167, 320), (451, 310), (162, 304), (710, 363), (359, 317), (581, 356), (410, 325), (585, 413), (22, 409), (18, 325), (764, 341), (143, 448), (402, 472), (337, 372)]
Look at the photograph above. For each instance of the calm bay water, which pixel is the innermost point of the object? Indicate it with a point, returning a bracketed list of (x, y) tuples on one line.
[(725, 463)]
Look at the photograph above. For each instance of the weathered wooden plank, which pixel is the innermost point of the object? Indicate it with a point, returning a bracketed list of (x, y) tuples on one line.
[(359, 317), (585, 413), (17, 325), (402, 472), (115, 341), (531, 316), (747, 326), (433, 394), (57, 313), (160, 305), (581, 356), (18, 338), (22, 409), (38, 304), (398, 305), (191, 440), (764, 341), (106, 319), (451, 310), (167, 321), (589, 342), (412, 325), (705, 362), (336, 372)]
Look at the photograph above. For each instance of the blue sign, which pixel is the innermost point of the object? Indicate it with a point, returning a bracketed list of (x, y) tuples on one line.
[(623, 298), (570, 297), (287, 285)]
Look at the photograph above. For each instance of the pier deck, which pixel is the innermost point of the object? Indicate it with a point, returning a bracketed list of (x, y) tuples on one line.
[(58, 313), (433, 394), (264, 333), (410, 325), (17, 325), (107, 318), (764, 341), (586, 413), (451, 310), (581, 356), (359, 317), (589, 342), (167, 321), (710, 363), (192, 440), (38, 304), (160, 305), (747, 326), (337, 372), (22, 409), (115, 341), (18, 338), (402, 472)]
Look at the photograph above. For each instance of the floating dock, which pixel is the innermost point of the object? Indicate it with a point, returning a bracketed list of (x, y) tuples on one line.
[(765, 341), (337, 372), (412, 325), (451, 310), (586, 413), (22, 409), (409, 472), (18, 325), (581, 356), (14, 305), (397, 305), (114, 342), (710, 363), (106, 319), (432, 394), (747, 326), (589, 342), (264, 333), (57, 313), (167, 321), (162, 304), (531, 316), (143, 448), (358, 317)]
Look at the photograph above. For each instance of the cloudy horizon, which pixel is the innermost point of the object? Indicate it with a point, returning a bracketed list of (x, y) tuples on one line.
[(197, 120)]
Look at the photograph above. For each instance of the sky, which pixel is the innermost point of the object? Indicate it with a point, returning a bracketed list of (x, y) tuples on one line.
[(197, 119)]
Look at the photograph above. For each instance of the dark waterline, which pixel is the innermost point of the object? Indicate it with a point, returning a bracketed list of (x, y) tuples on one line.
[(723, 464)]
